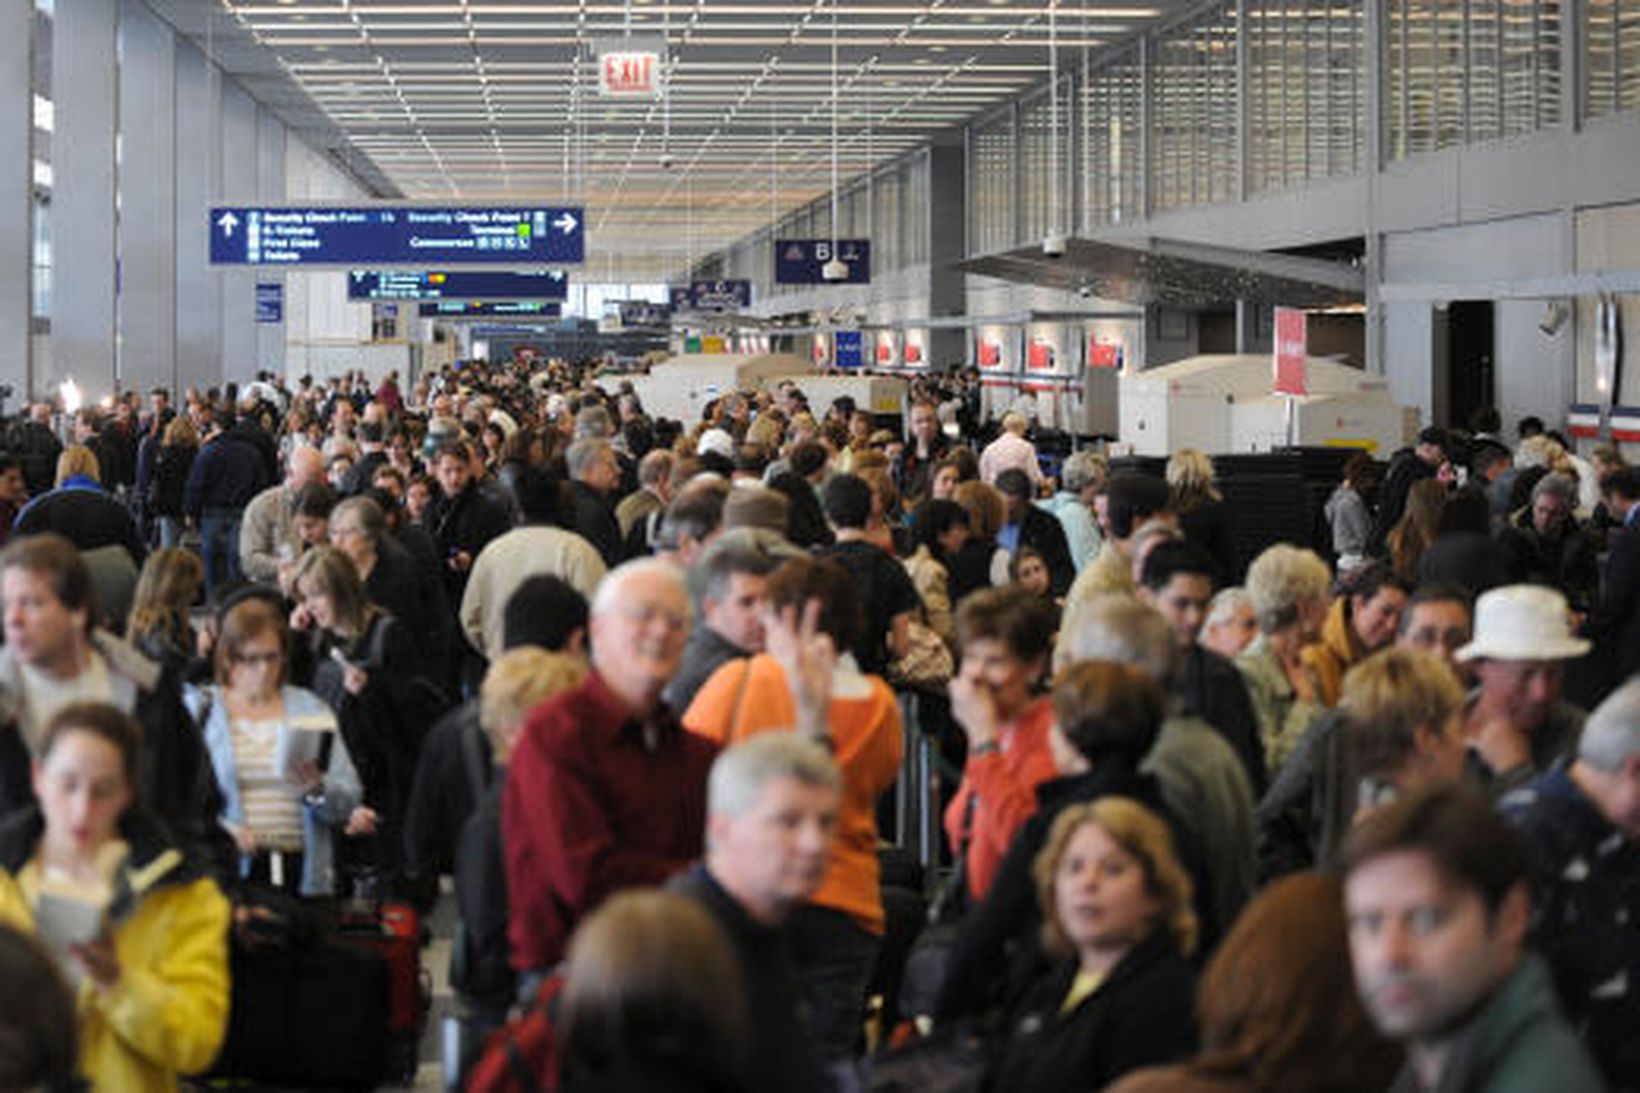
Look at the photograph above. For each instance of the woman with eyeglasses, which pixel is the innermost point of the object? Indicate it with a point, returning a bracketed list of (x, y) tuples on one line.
[(287, 779)]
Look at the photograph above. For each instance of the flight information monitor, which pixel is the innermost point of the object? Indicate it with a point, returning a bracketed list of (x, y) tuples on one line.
[(473, 309), (419, 235), (472, 284)]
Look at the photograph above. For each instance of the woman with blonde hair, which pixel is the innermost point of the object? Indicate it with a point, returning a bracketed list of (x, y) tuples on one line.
[(1278, 1007), (178, 446), (160, 624), (1200, 508), (81, 511), (1117, 912)]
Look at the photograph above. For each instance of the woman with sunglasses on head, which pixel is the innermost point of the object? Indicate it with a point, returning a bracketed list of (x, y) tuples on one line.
[(287, 779)]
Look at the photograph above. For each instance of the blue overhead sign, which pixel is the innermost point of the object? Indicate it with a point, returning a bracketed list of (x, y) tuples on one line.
[(384, 284), (270, 302), (803, 261), (712, 296), (471, 309), (850, 349), (419, 235)]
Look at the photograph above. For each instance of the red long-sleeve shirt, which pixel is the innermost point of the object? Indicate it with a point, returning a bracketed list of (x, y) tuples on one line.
[(589, 808)]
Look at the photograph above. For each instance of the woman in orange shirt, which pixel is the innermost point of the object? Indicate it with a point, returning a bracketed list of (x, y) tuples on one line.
[(837, 935), (1005, 636)]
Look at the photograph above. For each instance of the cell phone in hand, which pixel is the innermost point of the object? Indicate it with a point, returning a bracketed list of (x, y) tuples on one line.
[(339, 657)]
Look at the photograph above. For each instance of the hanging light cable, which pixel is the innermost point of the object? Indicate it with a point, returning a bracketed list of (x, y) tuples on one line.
[(836, 269), (1053, 243)]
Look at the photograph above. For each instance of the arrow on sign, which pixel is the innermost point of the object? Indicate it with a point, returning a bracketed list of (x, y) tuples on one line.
[(567, 223), (227, 222)]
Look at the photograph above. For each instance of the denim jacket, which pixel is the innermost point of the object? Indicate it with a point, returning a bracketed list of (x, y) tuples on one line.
[(320, 815)]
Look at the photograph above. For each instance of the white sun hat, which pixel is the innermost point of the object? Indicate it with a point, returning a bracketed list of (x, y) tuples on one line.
[(1523, 622)]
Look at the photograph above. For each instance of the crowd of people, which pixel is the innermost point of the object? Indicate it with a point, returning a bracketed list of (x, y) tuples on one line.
[(1354, 814)]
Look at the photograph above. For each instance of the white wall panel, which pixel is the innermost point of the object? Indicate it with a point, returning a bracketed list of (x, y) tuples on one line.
[(147, 227)]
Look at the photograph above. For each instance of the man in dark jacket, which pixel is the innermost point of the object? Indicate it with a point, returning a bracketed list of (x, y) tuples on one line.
[(1177, 580), (1615, 624), (1545, 544), (1582, 830), (594, 473), (53, 656), (1408, 466), (461, 518), (1028, 526), (729, 592), (230, 470), (37, 448), (771, 812)]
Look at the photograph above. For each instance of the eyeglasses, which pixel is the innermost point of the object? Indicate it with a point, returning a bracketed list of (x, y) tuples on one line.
[(258, 658)]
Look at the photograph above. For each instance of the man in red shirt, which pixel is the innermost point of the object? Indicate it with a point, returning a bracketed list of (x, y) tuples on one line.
[(605, 790)]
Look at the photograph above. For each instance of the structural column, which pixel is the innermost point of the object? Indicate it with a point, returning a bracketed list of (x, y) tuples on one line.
[(239, 187), (16, 196), (147, 228), (83, 83), (198, 184), (270, 189)]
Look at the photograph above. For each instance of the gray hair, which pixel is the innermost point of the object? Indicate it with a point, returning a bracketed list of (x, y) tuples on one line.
[(1281, 580), (593, 422), (366, 513), (740, 550), (740, 774), (1083, 469), (1119, 628), (656, 467), (581, 454), (1611, 735), (1226, 603), (1560, 487), (611, 588)]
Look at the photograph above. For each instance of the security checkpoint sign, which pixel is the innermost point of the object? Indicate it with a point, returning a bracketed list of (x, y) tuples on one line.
[(1292, 349), (397, 235)]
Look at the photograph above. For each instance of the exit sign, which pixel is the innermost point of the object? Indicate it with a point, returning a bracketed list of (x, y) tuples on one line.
[(631, 67)]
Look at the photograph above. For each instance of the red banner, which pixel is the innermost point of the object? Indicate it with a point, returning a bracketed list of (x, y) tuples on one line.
[(913, 353), (990, 354), (1039, 357), (1292, 348), (1104, 355)]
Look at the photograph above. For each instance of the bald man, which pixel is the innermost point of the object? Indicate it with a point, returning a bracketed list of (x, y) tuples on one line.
[(267, 535)]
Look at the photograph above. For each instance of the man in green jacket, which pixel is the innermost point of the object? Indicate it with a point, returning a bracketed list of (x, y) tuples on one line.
[(1435, 887)]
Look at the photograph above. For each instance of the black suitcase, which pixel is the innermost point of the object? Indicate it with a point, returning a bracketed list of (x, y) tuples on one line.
[(313, 1015)]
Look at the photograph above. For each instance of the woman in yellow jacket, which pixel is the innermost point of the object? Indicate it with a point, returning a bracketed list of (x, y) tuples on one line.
[(153, 987)]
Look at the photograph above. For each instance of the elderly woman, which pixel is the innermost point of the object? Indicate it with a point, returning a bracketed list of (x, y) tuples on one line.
[(841, 928), (358, 528), (1288, 586), (153, 989), (1230, 625), (288, 783), (1118, 913)]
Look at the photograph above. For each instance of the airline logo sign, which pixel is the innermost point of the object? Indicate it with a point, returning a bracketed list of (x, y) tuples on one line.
[(631, 67), (1292, 348)]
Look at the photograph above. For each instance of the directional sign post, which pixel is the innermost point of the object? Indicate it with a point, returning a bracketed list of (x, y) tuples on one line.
[(803, 261), (401, 235), (385, 284)]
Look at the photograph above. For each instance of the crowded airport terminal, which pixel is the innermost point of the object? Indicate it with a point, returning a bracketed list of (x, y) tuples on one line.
[(720, 546)]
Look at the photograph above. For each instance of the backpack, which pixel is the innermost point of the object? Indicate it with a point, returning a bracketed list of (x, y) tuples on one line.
[(524, 1056)]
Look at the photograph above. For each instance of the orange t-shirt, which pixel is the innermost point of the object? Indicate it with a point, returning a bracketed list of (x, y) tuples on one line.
[(744, 698), (1005, 782)]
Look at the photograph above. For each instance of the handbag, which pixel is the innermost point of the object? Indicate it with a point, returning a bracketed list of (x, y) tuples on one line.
[(951, 1060), (924, 975), (927, 664)]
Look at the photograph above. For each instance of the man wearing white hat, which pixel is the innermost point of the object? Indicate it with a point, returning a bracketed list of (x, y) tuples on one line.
[(1515, 721)]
